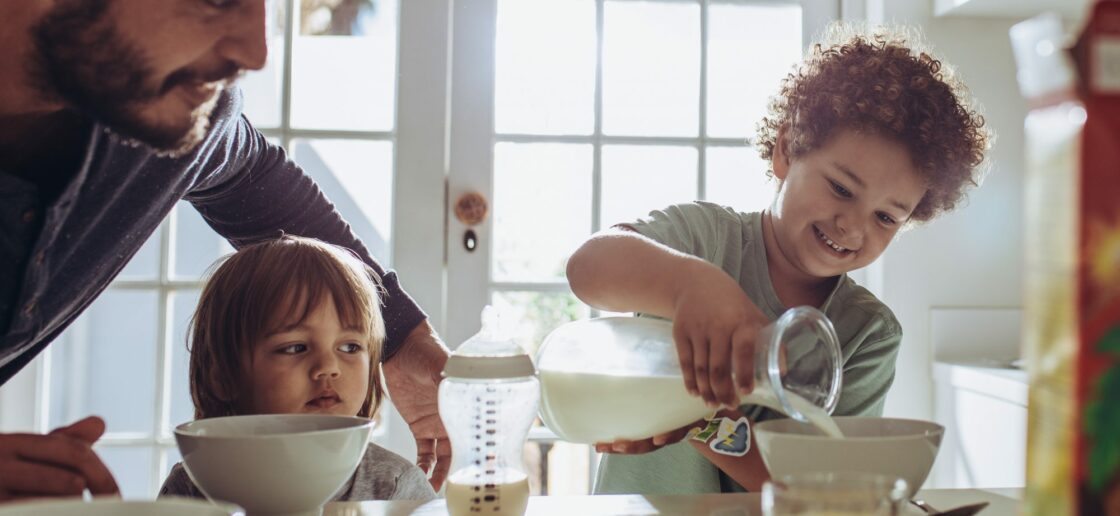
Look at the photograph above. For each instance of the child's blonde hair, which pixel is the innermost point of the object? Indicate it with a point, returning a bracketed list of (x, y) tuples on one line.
[(881, 80), (266, 286)]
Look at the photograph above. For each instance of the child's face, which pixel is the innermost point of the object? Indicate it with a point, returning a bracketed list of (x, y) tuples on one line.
[(841, 204), (315, 366)]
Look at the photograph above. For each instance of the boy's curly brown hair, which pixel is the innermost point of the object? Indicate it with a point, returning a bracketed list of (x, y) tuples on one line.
[(880, 80)]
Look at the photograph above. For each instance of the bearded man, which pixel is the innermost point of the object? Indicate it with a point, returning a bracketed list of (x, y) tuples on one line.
[(111, 112)]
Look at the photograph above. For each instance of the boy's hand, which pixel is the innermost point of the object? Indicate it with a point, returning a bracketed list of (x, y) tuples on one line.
[(61, 463), (647, 445), (714, 327)]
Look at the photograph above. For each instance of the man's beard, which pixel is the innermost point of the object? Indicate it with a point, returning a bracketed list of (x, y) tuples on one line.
[(81, 60)]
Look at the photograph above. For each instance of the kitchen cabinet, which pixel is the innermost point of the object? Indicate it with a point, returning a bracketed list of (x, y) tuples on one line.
[(984, 410), (979, 398), (1068, 9)]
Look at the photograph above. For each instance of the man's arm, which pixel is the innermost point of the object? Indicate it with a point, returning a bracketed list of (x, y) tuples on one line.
[(253, 191), (412, 376)]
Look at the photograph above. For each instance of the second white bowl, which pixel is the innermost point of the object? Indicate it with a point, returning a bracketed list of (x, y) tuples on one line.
[(903, 448)]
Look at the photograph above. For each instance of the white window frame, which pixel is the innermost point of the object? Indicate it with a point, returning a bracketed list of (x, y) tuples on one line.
[(472, 140), (469, 282)]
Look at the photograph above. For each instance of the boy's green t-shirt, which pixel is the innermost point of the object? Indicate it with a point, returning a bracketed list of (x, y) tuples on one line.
[(868, 331)]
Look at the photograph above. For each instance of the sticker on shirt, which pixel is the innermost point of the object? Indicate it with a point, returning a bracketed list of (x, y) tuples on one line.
[(703, 434), (733, 437)]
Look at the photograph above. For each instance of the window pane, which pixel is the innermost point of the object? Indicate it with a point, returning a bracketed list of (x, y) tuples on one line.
[(197, 246), (640, 178), (131, 467), (263, 87), (542, 208), (144, 265), (183, 303), (750, 49), (534, 314), (651, 68), (105, 363), (357, 176), (542, 87), (344, 65), (737, 178)]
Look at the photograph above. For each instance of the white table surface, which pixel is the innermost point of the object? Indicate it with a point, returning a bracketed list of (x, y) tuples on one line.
[(1004, 502)]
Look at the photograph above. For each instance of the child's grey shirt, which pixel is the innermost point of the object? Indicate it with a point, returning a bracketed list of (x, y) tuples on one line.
[(382, 475), (868, 331)]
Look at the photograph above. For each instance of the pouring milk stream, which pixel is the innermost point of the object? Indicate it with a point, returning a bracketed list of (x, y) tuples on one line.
[(617, 378)]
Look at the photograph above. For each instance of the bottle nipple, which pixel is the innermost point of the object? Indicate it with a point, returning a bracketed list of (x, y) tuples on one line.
[(491, 321)]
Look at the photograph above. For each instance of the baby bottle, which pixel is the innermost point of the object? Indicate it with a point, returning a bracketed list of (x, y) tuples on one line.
[(487, 401), (617, 378)]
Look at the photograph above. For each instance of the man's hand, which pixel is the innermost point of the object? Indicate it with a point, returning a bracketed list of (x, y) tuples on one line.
[(412, 376), (61, 463)]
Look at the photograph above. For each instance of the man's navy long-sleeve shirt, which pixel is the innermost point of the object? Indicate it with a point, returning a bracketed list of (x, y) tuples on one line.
[(57, 255)]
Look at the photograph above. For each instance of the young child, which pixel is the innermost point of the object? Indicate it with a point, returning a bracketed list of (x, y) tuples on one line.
[(869, 135), (292, 325)]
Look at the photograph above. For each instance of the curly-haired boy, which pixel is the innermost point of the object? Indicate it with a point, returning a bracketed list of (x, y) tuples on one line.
[(870, 134)]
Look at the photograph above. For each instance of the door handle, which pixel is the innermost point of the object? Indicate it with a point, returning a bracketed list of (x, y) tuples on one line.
[(471, 209)]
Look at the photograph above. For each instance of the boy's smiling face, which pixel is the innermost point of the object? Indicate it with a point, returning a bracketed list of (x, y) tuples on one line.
[(312, 366), (840, 205)]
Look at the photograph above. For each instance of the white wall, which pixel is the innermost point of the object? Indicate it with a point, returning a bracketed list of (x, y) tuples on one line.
[(971, 257)]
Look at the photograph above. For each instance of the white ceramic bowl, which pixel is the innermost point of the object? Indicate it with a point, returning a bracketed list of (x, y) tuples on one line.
[(903, 448), (273, 464), (168, 506)]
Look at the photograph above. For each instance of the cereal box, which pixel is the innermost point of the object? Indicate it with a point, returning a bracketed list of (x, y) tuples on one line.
[(1072, 288)]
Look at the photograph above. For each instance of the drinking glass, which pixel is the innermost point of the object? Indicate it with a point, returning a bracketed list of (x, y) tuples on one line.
[(834, 494)]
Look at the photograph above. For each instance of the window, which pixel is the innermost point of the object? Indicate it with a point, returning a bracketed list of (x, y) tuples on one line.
[(571, 115), (645, 104), (602, 111)]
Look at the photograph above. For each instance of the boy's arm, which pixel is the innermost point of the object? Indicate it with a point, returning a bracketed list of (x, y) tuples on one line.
[(748, 470), (620, 270), (714, 322)]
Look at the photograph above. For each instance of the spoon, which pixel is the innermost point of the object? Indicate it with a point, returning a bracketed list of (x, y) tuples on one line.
[(964, 510)]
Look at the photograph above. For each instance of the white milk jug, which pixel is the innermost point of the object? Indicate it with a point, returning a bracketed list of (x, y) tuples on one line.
[(617, 378)]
